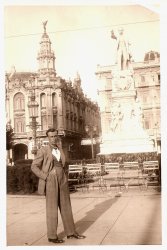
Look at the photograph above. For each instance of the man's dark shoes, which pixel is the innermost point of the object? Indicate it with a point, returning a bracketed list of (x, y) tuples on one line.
[(76, 236), (57, 241)]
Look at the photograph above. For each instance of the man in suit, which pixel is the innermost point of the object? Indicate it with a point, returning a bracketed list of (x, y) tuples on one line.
[(49, 166)]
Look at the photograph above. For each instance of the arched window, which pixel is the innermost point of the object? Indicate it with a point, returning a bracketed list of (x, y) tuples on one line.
[(54, 100), (43, 100), (55, 121), (19, 102)]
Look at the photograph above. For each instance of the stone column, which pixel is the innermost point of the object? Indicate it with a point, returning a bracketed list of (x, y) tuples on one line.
[(49, 108), (60, 109)]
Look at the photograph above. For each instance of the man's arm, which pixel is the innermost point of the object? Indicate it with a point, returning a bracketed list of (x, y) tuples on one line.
[(113, 35), (36, 166)]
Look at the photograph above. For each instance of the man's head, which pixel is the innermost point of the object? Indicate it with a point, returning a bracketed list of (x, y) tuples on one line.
[(120, 30), (54, 139)]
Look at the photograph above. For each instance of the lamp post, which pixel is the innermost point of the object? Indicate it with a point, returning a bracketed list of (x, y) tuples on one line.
[(33, 114), (90, 131)]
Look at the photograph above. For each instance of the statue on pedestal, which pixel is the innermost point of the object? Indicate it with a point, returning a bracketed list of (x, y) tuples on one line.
[(123, 75), (123, 54), (122, 131)]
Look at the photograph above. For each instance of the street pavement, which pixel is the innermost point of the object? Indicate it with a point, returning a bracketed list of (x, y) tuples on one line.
[(105, 217)]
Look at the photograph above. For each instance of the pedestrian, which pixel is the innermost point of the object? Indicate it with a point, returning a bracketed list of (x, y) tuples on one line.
[(49, 165)]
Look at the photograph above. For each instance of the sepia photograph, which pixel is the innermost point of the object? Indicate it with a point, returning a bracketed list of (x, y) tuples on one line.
[(82, 90)]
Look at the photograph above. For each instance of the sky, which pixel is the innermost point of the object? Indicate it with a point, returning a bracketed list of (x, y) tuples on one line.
[(80, 36)]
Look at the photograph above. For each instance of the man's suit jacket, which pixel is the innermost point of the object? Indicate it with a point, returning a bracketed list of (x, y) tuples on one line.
[(42, 165)]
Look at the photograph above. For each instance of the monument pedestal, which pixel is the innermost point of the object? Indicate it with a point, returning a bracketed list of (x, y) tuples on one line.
[(126, 133), (126, 146)]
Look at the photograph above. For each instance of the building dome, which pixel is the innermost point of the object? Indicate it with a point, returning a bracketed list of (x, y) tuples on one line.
[(151, 56)]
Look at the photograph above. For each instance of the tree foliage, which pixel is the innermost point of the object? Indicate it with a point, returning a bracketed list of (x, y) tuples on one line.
[(9, 137)]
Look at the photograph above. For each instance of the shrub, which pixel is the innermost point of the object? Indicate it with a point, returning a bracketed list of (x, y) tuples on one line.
[(20, 177), (11, 179)]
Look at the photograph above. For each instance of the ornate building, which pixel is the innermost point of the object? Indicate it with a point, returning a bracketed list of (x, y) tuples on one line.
[(147, 82), (124, 88), (61, 104)]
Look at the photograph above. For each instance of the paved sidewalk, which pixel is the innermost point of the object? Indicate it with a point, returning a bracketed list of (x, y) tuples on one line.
[(104, 217)]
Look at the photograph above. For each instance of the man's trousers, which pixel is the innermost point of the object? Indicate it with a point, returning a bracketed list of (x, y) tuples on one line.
[(57, 195)]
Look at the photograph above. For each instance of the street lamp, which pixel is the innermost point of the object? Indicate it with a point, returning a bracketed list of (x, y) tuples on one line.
[(91, 130), (33, 114)]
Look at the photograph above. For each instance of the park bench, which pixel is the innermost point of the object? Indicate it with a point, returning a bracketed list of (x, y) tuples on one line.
[(94, 173), (75, 176), (151, 172), (114, 174), (132, 174)]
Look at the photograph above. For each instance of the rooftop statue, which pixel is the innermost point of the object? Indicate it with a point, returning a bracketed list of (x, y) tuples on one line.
[(44, 26)]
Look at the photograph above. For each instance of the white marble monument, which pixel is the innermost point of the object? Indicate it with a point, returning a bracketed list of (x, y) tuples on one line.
[(126, 133)]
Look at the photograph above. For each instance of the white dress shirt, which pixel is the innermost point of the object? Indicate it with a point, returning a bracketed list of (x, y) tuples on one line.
[(56, 153)]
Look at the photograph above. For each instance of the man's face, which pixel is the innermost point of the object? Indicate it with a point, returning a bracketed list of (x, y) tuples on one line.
[(54, 140)]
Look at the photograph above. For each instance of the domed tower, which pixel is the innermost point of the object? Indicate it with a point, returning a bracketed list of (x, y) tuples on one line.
[(46, 57), (152, 56)]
